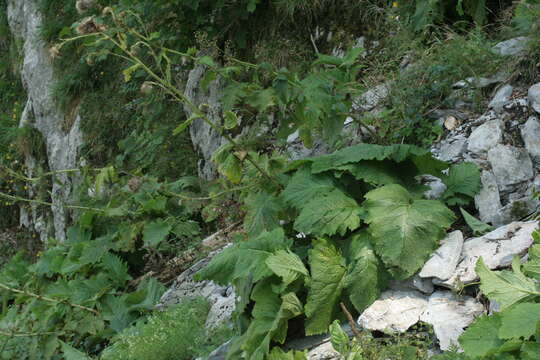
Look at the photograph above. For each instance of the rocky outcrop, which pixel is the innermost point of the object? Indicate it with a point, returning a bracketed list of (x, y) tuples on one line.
[(504, 143), (61, 133)]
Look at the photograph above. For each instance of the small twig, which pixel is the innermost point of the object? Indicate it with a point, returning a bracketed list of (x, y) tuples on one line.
[(48, 299), (14, 334), (39, 202), (351, 321)]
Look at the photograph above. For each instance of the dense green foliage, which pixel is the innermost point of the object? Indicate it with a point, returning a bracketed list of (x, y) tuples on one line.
[(319, 232), (361, 220), (177, 333)]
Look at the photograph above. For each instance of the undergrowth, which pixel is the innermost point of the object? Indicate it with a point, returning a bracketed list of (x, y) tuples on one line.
[(178, 333)]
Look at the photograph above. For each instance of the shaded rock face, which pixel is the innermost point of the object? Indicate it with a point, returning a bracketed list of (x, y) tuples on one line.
[(61, 134), (222, 298)]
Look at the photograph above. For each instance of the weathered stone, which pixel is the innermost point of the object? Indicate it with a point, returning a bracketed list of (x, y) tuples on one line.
[(512, 47), (502, 96), (436, 187), (530, 132), (510, 165), (534, 97), (395, 311), (488, 201), (222, 298), (485, 136), (496, 248), (480, 82), (61, 132), (371, 98), (443, 262), (413, 283), (324, 351), (205, 139), (450, 314), (452, 149)]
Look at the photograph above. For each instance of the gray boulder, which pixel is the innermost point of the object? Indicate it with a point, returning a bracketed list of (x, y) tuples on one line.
[(512, 47), (488, 200), (502, 96), (510, 165), (530, 132), (485, 136), (534, 97)]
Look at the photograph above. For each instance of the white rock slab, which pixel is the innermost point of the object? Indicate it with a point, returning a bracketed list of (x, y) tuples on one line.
[(395, 311), (496, 248), (485, 136), (449, 314), (444, 261)]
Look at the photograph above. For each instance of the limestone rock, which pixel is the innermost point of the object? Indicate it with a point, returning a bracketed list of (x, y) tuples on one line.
[(371, 98), (450, 314), (530, 132), (488, 201), (444, 261), (222, 298), (61, 132), (324, 351), (512, 47), (413, 283), (452, 149), (496, 248), (485, 136), (436, 186), (395, 311), (534, 97), (502, 96), (480, 82), (510, 165)]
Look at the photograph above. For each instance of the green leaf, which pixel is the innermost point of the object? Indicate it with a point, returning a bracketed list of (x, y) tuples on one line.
[(482, 338), (327, 282), (206, 60), (530, 351), (329, 214), (245, 259), (183, 126), (278, 354), (287, 265), (270, 316), (339, 338), (118, 269), (155, 232), (532, 266), (303, 186), (405, 231), (231, 168), (506, 287), (70, 353), (262, 213), (231, 121), (478, 227), (364, 279), (519, 321), (422, 158), (462, 179)]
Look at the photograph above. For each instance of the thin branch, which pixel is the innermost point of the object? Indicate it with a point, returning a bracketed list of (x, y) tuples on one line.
[(48, 299), (351, 321), (45, 203)]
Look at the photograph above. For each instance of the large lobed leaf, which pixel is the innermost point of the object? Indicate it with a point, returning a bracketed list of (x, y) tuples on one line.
[(245, 259), (506, 287), (271, 314), (405, 231), (327, 282)]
